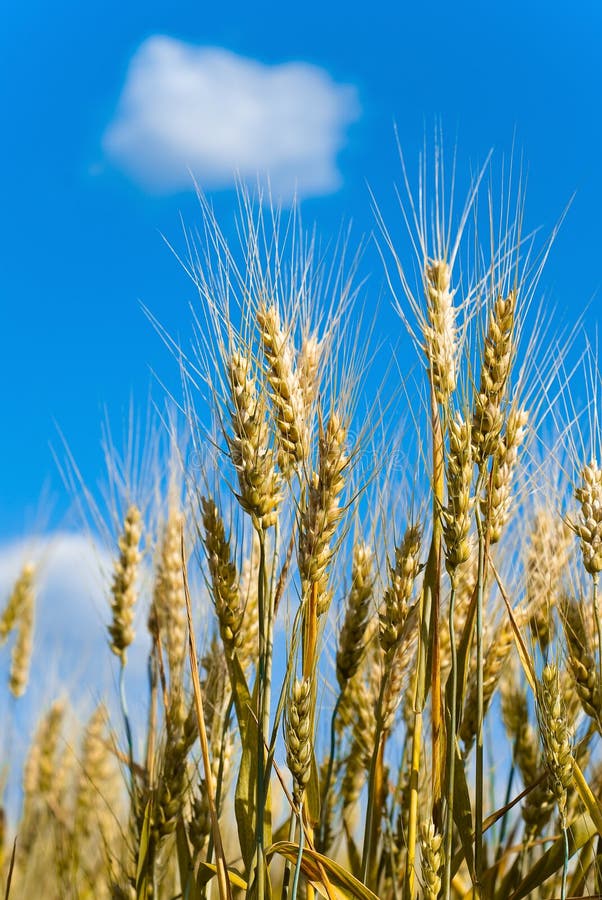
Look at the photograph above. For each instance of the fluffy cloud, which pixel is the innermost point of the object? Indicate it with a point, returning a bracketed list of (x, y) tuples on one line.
[(71, 658), (187, 109), (70, 652)]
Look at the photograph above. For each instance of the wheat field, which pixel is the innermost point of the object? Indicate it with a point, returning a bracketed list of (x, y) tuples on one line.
[(375, 664)]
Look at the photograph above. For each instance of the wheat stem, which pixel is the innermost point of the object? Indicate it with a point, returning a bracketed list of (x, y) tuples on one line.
[(286, 877), (299, 855), (223, 881), (479, 762), (128, 732), (595, 605), (451, 750), (262, 718), (565, 862), (413, 814)]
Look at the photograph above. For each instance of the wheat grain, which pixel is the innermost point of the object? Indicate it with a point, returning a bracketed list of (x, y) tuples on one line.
[(496, 504), (250, 449), (556, 737), (581, 660), (249, 627), (287, 395), (589, 525), (457, 515), (432, 859), (168, 594), (224, 578), (440, 334), (123, 588), (18, 598), (298, 737), (498, 353), (402, 576), (352, 638), (23, 646), (308, 365), (321, 515)]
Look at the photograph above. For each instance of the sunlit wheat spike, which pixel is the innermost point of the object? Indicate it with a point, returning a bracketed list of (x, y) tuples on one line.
[(440, 333), (320, 518), (499, 346), (457, 514), (556, 737), (168, 593), (249, 628), (286, 393), (123, 588), (41, 764), (538, 806), (175, 777), (308, 364), (224, 578), (249, 444), (497, 503), (352, 639), (581, 660), (402, 576), (298, 736), (588, 526), (18, 598), (496, 364), (23, 646), (432, 859)]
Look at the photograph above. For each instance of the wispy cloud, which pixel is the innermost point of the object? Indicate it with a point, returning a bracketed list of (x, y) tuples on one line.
[(71, 658), (203, 110), (71, 651)]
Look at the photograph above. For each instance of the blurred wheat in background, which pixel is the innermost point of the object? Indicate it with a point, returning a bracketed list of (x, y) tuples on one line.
[(375, 664)]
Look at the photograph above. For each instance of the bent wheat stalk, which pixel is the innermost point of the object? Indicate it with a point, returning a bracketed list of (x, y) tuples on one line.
[(222, 873)]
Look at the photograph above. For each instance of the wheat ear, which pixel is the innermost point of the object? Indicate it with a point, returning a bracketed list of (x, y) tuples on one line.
[(440, 332), (286, 392), (123, 588)]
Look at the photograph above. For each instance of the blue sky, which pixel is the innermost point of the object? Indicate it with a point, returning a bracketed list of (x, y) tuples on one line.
[(81, 231)]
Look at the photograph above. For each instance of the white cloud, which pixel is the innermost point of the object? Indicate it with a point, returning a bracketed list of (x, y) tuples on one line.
[(202, 110), (71, 658), (71, 652)]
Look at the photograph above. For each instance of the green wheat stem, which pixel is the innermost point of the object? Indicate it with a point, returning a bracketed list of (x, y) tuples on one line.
[(299, 855), (451, 742), (595, 579), (286, 878), (479, 761), (565, 863), (128, 733), (261, 718), (220, 773)]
